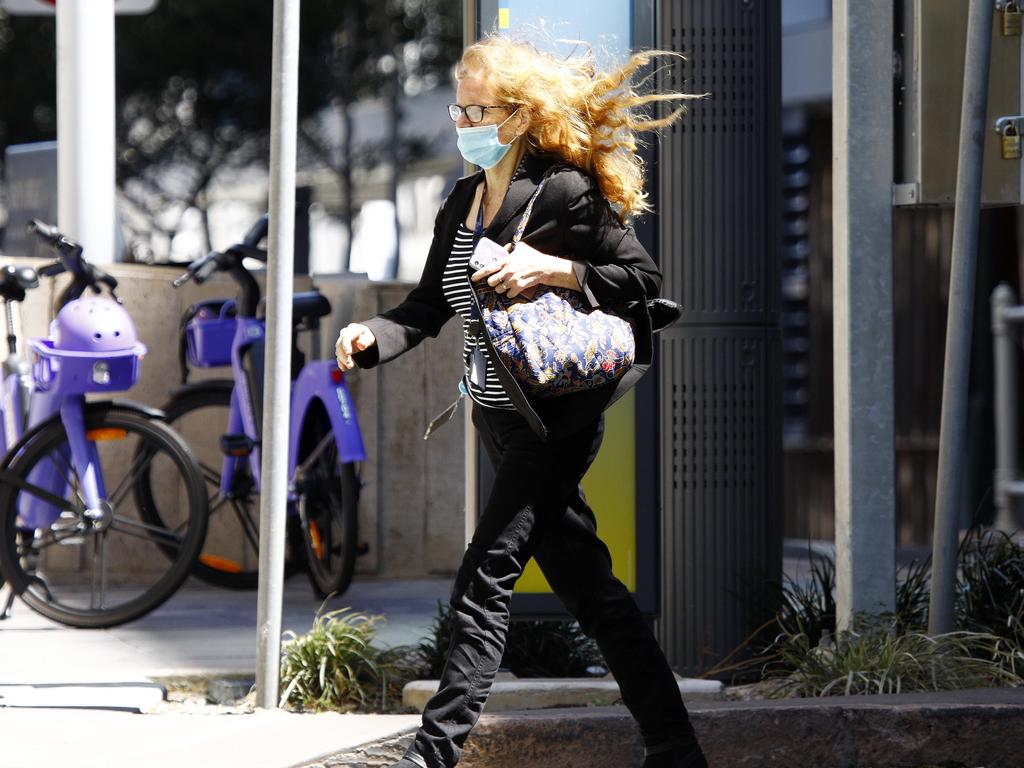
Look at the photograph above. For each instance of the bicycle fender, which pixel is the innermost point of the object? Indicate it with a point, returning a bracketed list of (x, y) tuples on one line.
[(226, 384), (91, 406), (317, 382), (128, 405)]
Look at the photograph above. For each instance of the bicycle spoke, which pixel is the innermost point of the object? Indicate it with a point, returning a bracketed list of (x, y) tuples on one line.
[(133, 473), (64, 466), (98, 570), (145, 531), (250, 529), (213, 502), (211, 475), (68, 473)]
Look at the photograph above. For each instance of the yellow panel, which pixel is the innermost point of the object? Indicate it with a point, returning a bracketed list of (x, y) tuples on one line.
[(503, 18), (610, 486)]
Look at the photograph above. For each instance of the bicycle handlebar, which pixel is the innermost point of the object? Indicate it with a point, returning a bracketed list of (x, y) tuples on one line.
[(86, 275), (51, 270), (257, 232), (232, 261)]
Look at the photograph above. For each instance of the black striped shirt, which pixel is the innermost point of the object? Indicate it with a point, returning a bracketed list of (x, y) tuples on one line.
[(456, 287)]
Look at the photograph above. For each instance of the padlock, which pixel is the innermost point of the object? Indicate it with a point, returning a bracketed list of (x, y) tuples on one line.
[(1010, 142), (1012, 19)]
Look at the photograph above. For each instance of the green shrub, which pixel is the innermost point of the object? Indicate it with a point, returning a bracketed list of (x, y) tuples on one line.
[(532, 648), (811, 610), (990, 589), (550, 649), (879, 659), (878, 654), (335, 666)]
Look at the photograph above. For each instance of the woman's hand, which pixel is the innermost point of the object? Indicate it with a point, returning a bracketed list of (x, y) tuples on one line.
[(524, 269), (353, 338)]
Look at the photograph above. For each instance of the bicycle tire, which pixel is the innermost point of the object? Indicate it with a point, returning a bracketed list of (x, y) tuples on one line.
[(41, 569), (230, 554), (327, 508)]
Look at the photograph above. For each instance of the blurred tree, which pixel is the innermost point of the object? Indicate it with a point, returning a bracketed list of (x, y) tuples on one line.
[(28, 79), (193, 85)]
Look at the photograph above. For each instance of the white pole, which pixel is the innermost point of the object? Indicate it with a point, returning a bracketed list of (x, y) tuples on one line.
[(277, 381), (85, 125)]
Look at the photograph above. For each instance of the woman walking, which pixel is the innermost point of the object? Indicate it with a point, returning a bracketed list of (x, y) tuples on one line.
[(524, 116)]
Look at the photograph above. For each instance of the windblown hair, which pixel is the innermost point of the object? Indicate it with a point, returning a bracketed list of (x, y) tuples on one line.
[(587, 117)]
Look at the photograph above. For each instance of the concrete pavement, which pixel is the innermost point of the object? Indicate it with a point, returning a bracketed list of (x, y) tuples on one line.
[(70, 697)]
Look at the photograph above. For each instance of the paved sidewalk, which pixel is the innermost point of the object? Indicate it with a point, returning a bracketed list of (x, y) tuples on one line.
[(68, 697), (201, 631), (72, 697), (47, 738)]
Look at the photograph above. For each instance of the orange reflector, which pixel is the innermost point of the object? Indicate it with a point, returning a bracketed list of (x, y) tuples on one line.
[(220, 564), (108, 433), (318, 544)]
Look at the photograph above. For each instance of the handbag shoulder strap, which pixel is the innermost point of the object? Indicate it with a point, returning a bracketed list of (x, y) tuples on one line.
[(529, 206)]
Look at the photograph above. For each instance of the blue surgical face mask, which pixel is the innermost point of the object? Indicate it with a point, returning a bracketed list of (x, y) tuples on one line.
[(480, 144)]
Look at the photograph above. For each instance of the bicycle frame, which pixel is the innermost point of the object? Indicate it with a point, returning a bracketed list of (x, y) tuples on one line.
[(14, 394), (319, 381), (95, 357)]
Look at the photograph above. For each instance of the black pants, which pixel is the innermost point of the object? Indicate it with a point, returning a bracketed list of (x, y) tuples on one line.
[(536, 508)]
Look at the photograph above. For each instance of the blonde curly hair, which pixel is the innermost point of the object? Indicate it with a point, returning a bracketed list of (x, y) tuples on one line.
[(587, 117)]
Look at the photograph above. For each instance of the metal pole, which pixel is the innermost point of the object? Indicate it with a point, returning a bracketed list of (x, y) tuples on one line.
[(862, 140), (1006, 406), (85, 125), (277, 382), (953, 429)]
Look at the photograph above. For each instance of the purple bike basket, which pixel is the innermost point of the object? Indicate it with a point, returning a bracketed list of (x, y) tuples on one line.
[(72, 372), (208, 337)]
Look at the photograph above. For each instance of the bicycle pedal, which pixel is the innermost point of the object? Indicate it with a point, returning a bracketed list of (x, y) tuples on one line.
[(237, 445)]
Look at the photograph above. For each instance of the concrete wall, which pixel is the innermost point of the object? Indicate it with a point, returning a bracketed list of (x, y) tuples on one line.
[(411, 508)]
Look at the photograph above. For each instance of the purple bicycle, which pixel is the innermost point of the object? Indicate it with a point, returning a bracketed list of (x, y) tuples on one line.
[(77, 543), (324, 445)]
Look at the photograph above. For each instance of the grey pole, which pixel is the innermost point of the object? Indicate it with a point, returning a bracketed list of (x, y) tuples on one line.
[(862, 141), (277, 383), (1005, 349), (953, 429)]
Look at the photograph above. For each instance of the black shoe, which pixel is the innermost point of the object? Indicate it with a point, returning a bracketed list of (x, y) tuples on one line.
[(680, 757)]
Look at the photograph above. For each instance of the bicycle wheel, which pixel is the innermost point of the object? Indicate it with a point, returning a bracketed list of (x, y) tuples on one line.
[(230, 554), (329, 492), (103, 569)]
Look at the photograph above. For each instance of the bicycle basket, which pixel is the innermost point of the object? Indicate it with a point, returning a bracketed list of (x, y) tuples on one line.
[(209, 334)]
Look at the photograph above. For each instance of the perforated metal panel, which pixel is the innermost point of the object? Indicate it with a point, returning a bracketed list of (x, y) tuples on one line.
[(720, 374)]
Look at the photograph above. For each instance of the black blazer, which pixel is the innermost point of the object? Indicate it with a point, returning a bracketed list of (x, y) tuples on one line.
[(570, 219)]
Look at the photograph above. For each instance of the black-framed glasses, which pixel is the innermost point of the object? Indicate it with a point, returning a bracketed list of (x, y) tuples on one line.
[(474, 112)]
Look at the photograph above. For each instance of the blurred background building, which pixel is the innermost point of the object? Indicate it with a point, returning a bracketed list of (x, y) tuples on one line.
[(377, 155), (192, 175), (922, 240)]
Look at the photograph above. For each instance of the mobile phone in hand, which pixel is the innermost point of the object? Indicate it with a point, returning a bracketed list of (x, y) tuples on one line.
[(486, 253)]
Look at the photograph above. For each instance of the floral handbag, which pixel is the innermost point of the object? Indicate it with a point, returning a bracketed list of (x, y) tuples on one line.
[(551, 342)]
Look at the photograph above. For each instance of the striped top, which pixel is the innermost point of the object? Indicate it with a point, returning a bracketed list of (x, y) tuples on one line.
[(456, 287)]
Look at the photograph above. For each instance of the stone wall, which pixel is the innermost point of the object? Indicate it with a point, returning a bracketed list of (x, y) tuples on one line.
[(411, 511)]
